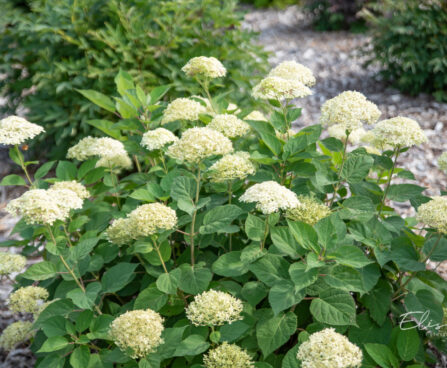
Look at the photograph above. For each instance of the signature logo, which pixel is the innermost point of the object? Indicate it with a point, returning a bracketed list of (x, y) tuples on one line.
[(421, 320)]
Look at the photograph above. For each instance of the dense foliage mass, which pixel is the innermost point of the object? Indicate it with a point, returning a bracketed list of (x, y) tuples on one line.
[(197, 235), (49, 49), (409, 43)]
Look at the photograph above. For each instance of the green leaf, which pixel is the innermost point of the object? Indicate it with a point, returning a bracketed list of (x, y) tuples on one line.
[(305, 235), (404, 192), (439, 254), (274, 331), (378, 301), (382, 355), (116, 277), (350, 255), (302, 278), (284, 241), (357, 208), (66, 170), (192, 345), (268, 135), (105, 126), (98, 99), (44, 169), (40, 271), (218, 220), (12, 180), (194, 280), (254, 227), (53, 344), (168, 282), (270, 269), (405, 256), (124, 82), (80, 357), (158, 92), (356, 167), (283, 295), (85, 300), (334, 307), (100, 327), (230, 265), (290, 360), (151, 298), (424, 309), (408, 342), (254, 292)]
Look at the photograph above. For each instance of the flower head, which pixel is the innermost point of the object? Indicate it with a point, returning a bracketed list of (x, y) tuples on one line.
[(116, 162), (328, 348), (309, 211), (442, 161), (15, 334), (214, 308), (120, 232), (398, 132), (231, 167), (183, 109), (202, 66), (158, 138), (39, 206), (149, 218), (80, 190), (137, 332), (434, 213), (256, 115), (277, 88), (227, 356), (27, 299), (197, 144), (270, 197), (294, 71), (349, 110), (338, 131), (16, 130), (229, 125), (10, 263)]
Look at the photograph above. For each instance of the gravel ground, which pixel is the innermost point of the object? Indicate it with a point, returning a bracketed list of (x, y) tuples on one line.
[(337, 64)]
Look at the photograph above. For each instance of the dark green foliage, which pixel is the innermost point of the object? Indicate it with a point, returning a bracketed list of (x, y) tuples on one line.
[(409, 42), (271, 3), (336, 15), (64, 45)]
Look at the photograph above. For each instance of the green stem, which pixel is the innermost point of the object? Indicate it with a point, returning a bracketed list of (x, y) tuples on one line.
[(115, 186), (163, 162), (205, 87), (157, 248), (284, 112), (67, 234), (22, 165), (388, 184), (266, 231), (230, 196), (193, 222), (343, 159), (137, 163)]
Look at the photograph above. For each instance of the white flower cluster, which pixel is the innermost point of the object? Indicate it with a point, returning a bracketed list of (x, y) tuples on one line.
[(183, 109), (231, 167), (288, 80), (227, 356), (256, 115), (229, 125), (276, 88), (111, 152), (434, 213), (442, 161), (137, 332), (16, 333), (328, 348), (143, 221), (398, 132), (214, 308), (202, 66), (80, 190), (40, 206), (197, 144), (292, 70), (28, 299), (338, 131), (270, 197), (309, 211), (16, 130), (349, 110), (157, 138), (10, 263)]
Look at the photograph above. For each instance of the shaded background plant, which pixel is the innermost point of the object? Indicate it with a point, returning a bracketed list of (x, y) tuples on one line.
[(48, 49)]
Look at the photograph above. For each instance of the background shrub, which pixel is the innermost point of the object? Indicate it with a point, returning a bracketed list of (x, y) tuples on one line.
[(335, 15), (48, 49), (282, 270), (409, 43), (271, 3)]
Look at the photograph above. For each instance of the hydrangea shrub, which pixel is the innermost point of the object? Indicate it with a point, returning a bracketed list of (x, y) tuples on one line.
[(201, 235)]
